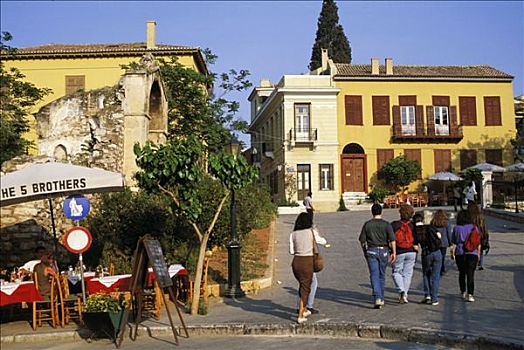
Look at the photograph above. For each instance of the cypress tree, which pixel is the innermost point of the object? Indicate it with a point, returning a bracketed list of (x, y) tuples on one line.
[(330, 35)]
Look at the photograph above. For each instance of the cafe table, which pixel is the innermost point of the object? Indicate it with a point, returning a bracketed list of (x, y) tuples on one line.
[(19, 292)]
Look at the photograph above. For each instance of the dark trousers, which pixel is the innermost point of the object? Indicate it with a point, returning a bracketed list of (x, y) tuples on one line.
[(303, 271), (467, 264), (443, 252)]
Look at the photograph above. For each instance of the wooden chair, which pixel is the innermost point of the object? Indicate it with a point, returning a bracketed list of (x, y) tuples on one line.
[(423, 199), (203, 283), (46, 310), (391, 201), (70, 306), (153, 301)]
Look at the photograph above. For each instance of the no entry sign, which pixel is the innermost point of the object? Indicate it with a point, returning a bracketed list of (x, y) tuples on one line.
[(77, 239)]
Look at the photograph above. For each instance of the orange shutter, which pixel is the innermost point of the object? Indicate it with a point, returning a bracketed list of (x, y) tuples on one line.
[(430, 117), (419, 120)]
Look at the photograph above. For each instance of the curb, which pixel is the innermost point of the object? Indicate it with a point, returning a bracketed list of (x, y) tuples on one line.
[(338, 330), (505, 215)]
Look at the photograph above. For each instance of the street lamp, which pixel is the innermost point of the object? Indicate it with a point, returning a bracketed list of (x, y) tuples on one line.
[(233, 247)]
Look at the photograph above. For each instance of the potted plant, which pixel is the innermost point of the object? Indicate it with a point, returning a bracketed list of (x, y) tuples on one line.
[(103, 314)]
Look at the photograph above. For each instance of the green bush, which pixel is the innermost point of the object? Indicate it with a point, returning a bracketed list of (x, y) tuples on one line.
[(378, 194)]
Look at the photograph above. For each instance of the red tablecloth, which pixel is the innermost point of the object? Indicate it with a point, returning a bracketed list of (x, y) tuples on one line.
[(120, 283), (174, 270), (25, 292)]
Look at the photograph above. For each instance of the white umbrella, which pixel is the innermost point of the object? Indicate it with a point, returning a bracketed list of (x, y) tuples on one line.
[(53, 179), (488, 167), (517, 167), (444, 176)]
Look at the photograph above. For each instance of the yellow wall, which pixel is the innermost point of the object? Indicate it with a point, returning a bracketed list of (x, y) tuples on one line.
[(50, 73), (479, 137)]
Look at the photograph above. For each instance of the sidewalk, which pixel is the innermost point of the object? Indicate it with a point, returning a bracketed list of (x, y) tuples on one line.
[(496, 318)]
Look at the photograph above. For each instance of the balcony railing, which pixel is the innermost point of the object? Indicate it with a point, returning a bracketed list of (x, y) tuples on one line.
[(303, 135), (427, 135)]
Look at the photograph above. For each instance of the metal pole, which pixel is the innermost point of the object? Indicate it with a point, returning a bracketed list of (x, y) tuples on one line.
[(53, 225), (82, 277), (233, 260), (516, 196)]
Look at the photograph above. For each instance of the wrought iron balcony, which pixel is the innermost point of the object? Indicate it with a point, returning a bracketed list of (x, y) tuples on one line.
[(303, 135), (428, 134)]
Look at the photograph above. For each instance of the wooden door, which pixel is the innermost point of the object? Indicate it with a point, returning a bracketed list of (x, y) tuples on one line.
[(304, 180), (353, 175)]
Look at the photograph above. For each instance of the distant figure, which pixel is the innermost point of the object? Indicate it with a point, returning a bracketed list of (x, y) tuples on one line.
[(308, 203), (469, 193), (29, 266), (376, 238), (457, 197), (301, 247)]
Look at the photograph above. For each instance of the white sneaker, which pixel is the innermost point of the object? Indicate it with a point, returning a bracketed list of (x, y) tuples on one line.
[(301, 320), (470, 298), (306, 313)]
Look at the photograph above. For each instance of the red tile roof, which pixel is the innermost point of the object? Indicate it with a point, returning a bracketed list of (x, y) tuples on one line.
[(455, 72)]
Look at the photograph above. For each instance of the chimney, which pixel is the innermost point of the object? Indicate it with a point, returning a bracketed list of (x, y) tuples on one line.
[(389, 66), (374, 66), (265, 83), (325, 59), (151, 35)]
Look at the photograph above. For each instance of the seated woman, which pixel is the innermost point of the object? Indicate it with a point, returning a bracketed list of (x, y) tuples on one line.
[(44, 271)]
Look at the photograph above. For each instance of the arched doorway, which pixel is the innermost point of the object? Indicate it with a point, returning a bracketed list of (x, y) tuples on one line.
[(60, 153), (155, 108), (354, 168)]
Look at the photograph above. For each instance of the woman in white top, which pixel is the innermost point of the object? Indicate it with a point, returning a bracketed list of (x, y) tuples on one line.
[(301, 246)]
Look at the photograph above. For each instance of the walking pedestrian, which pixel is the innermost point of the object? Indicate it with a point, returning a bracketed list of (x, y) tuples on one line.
[(376, 239), (477, 219), (430, 243), (457, 197), (466, 260), (308, 203), (441, 222), (314, 282), (301, 246), (469, 193), (407, 247)]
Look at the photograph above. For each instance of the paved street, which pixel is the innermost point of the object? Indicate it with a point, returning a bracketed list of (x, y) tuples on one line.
[(236, 343), (344, 293)]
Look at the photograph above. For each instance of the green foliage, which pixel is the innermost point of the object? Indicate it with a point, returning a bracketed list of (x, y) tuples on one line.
[(472, 175), (17, 98), (330, 35), (399, 172), (122, 218), (194, 110), (103, 302), (518, 143), (341, 205), (287, 203), (378, 194)]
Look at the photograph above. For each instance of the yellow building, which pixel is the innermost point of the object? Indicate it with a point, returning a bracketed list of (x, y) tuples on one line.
[(446, 117), (67, 68)]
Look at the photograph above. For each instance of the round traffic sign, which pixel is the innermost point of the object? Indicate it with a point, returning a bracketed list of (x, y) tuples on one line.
[(76, 207), (77, 239)]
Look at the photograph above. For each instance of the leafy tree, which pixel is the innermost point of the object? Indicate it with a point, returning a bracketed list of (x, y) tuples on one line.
[(399, 172), (330, 35), (17, 97), (518, 143), (196, 110), (175, 169)]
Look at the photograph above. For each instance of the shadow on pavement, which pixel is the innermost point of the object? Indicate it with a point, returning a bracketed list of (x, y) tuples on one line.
[(263, 306)]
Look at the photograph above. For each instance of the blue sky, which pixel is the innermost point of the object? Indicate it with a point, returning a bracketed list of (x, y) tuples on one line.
[(272, 38)]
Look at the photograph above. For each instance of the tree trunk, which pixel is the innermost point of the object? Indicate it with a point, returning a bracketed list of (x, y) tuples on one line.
[(198, 276)]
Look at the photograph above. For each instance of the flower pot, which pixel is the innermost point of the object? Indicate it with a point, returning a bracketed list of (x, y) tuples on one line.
[(104, 324)]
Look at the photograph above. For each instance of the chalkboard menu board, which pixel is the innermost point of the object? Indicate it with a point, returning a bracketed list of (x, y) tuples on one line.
[(156, 260)]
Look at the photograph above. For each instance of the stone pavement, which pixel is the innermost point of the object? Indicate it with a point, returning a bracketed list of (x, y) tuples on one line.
[(344, 295)]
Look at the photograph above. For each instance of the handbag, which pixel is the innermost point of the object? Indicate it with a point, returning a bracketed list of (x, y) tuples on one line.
[(318, 260)]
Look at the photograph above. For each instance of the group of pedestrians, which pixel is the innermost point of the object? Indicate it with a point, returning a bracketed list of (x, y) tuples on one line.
[(400, 242)]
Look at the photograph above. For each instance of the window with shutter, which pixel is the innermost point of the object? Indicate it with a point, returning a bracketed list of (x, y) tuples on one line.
[(414, 154), (380, 110), (468, 110), (467, 158), (74, 83), (492, 111), (326, 177), (494, 156), (440, 100), (383, 156), (353, 110), (442, 158)]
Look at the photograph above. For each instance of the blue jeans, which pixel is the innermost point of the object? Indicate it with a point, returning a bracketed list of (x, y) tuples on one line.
[(431, 264), (403, 271), (377, 259)]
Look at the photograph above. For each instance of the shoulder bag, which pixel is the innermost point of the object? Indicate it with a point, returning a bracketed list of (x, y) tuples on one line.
[(318, 260)]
